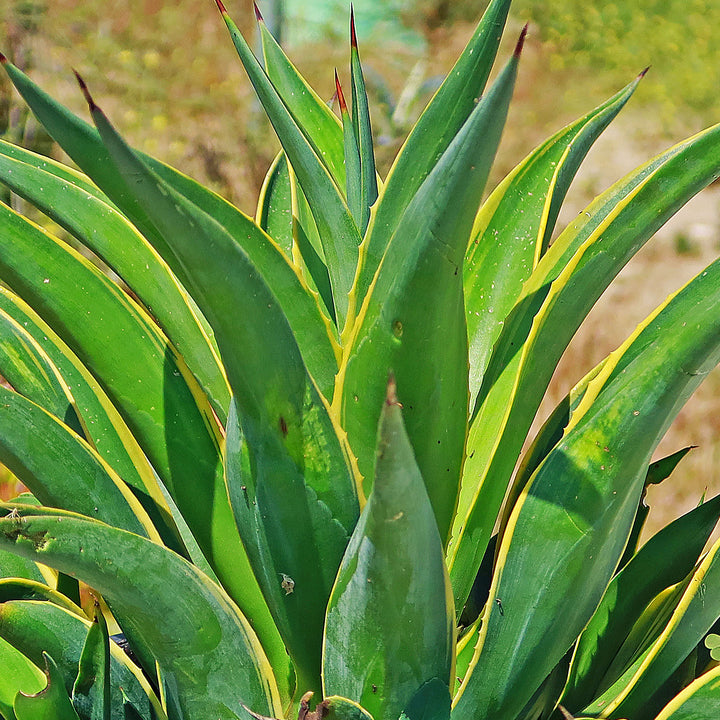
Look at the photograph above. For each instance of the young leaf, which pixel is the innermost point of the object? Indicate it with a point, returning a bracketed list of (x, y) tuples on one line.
[(392, 576), (363, 134), (52, 703)]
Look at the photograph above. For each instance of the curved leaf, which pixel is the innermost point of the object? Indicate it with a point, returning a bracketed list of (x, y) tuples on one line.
[(513, 228), (440, 122), (34, 627), (61, 470), (556, 298), (96, 224), (339, 234), (568, 530), (204, 637), (664, 560), (52, 703), (698, 701)]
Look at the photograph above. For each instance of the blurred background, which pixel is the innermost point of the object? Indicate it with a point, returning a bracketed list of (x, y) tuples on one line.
[(167, 75)]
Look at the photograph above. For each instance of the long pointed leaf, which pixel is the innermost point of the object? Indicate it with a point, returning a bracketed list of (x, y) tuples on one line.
[(314, 118), (431, 136), (291, 436), (99, 227), (555, 299), (338, 231), (569, 528), (412, 322), (514, 225), (663, 561), (363, 133), (393, 576)]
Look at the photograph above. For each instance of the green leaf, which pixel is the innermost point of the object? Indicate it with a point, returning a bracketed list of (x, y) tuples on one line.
[(657, 472), (556, 298), (23, 332), (95, 223), (61, 469), (430, 702), (363, 134), (82, 143), (513, 228), (144, 378), (340, 237), (430, 138), (390, 623), (294, 542), (353, 170), (91, 692), (412, 322), (274, 208), (205, 636), (664, 560), (35, 627), (18, 674), (698, 701), (567, 531), (316, 121), (52, 703), (291, 436), (696, 613)]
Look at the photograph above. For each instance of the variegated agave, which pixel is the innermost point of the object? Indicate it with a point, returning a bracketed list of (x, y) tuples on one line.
[(281, 451)]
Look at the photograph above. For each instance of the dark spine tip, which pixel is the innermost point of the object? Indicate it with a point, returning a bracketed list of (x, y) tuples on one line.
[(221, 6), (85, 91), (391, 397), (353, 36), (258, 14), (339, 94), (3, 59), (644, 72), (521, 41)]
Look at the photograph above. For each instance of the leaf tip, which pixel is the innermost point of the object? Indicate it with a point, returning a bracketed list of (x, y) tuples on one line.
[(3, 59), (221, 7), (391, 397), (258, 14), (339, 94), (521, 41), (643, 73), (353, 35), (85, 91)]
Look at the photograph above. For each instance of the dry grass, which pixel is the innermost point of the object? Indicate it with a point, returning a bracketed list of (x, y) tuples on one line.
[(169, 78)]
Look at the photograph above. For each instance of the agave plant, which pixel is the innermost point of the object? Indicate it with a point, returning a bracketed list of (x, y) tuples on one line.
[(283, 455)]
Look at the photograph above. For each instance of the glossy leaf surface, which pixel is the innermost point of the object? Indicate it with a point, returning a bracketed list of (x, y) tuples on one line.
[(412, 322), (580, 504), (140, 581), (568, 280), (392, 576)]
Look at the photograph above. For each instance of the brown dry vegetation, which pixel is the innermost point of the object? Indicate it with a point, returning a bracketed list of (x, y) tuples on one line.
[(168, 77)]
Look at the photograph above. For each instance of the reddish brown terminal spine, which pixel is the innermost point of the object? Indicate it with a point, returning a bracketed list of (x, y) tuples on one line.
[(339, 93), (521, 41)]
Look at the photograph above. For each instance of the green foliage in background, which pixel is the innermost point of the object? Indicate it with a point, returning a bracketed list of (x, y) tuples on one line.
[(608, 37), (283, 455)]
